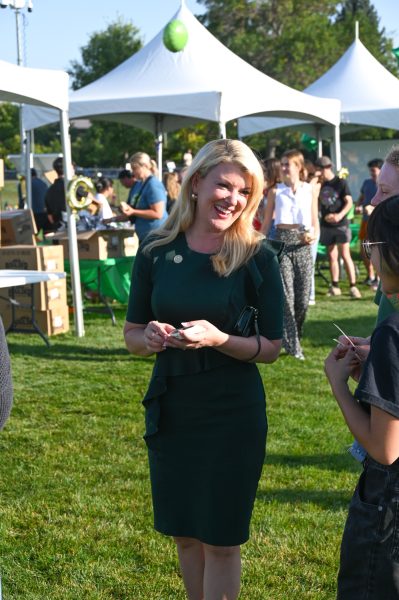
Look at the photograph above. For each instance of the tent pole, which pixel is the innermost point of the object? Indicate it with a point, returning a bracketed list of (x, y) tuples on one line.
[(72, 238), (337, 148), (28, 165), (222, 129), (159, 143), (319, 141)]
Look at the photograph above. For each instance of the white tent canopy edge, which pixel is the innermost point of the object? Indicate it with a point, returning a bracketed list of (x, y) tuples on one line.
[(48, 88), (161, 91)]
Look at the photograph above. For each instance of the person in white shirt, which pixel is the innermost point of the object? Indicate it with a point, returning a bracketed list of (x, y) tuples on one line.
[(105, 192), (295, 206)]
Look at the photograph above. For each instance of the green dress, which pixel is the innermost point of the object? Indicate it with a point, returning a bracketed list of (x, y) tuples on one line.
[(205, 412)]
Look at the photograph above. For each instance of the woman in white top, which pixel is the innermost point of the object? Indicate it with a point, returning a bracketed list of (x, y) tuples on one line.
[(295, 205), (105, 191)]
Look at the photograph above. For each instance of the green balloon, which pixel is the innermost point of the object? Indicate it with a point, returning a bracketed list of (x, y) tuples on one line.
[(395, 52), (175, 35)]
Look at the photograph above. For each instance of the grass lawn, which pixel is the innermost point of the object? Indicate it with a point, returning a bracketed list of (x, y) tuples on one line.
[(75, 507)]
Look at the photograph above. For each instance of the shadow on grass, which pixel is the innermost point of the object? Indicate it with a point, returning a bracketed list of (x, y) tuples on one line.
[(329, 462), (59, 351), (321, 331), (327, 499)]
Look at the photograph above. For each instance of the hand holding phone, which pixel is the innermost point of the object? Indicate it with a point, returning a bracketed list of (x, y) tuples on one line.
[(188, 328)]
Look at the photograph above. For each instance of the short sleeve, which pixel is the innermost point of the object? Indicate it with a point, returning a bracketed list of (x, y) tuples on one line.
[(346, 191), (139, 307), (271, 296), (379, 383), (154, 193)]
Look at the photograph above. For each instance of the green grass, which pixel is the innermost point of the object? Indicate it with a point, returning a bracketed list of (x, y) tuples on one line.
[(75, 506)]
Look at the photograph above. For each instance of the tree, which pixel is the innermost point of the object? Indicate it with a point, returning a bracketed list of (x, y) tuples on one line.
[(106, 144), (9, 130), (104, 51), (294, 41), (374, 38)]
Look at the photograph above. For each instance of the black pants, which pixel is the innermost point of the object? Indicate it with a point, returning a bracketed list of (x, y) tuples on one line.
[(369, 568)]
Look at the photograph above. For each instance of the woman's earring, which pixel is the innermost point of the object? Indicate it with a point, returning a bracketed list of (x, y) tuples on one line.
[(194, 196)]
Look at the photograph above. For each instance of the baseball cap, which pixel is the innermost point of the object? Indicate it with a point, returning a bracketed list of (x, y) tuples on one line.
[(323, 161)]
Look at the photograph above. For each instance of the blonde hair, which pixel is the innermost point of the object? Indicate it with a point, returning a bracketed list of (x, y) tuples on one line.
[(172, 185), (241, 240), (393, 156), (142, 159)]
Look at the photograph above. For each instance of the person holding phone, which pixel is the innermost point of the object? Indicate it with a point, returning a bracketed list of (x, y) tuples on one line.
[(205, 406), (369, 566)]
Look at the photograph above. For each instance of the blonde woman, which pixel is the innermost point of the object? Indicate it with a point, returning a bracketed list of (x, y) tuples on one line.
[(295, 205), (205, 407), (172, 187), (147, 199)]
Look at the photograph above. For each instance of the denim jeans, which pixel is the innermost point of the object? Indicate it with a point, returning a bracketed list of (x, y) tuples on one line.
[(369, 568)]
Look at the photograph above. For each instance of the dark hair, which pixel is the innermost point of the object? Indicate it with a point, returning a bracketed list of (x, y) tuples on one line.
[(103, 183), (33, 172), (58, 165), (376, 162), (383, 226), (125, 174)]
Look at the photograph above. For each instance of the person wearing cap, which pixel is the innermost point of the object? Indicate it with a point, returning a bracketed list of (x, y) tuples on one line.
[(364, 208), (335, 201), (55, 196)]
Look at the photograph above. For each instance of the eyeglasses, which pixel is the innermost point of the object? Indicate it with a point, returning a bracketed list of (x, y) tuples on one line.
[(366, 244)]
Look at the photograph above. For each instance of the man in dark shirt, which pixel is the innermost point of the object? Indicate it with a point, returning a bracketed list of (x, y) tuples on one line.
[(39, 191), (55, 196), (335, 201)]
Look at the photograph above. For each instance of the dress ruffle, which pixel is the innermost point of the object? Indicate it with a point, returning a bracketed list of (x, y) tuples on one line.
[(151, 402)]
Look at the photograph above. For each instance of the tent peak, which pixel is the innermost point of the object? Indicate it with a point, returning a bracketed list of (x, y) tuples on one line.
[(356, 28)]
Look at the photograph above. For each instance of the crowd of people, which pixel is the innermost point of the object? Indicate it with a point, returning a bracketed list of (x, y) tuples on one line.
[(223, 280)]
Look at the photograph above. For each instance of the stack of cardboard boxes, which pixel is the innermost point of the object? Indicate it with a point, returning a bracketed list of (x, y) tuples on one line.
[(18, 250)]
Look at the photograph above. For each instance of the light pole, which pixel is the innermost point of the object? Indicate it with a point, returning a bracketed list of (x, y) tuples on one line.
[(18, 6)]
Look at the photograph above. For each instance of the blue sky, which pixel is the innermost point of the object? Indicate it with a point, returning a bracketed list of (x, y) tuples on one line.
[(56, 29)]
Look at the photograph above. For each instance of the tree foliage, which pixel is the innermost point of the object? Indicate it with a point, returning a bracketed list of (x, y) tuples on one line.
[(295, 41), (9, 130), (106, 144), (104, 51)]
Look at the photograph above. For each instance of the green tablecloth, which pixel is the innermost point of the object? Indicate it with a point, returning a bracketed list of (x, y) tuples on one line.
[(110, 277)]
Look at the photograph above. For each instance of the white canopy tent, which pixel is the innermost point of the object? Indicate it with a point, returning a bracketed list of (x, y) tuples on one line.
[(48, 88), (368, 92), (161, 91)]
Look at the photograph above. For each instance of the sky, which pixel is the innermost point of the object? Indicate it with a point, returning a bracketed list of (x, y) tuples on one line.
[(55, 30)]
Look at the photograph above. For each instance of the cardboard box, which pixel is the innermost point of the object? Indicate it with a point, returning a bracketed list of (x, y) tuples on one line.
[(17, 227), (51, 322), (47, 295), (35, 258), (101, 244)]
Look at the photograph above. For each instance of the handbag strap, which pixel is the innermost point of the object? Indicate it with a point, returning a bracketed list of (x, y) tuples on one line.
[(256, 327)]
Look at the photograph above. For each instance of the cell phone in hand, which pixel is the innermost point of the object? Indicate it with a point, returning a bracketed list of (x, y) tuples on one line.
[(189, 328)]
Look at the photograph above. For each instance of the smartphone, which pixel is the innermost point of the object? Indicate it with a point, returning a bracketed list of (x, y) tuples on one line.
[(189, 328)]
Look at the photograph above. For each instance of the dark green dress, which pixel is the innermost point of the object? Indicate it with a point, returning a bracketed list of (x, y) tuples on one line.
[(205, 412)]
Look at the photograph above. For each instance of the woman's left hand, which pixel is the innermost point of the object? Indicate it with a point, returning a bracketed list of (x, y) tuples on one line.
[(339, 368), (209, 336)]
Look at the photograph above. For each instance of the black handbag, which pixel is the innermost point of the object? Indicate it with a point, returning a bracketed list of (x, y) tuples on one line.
[(247, 325)]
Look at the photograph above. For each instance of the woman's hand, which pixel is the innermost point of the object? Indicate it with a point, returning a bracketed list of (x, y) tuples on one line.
[(338, 367), (155, 335), (362, 346), (209, 336)]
